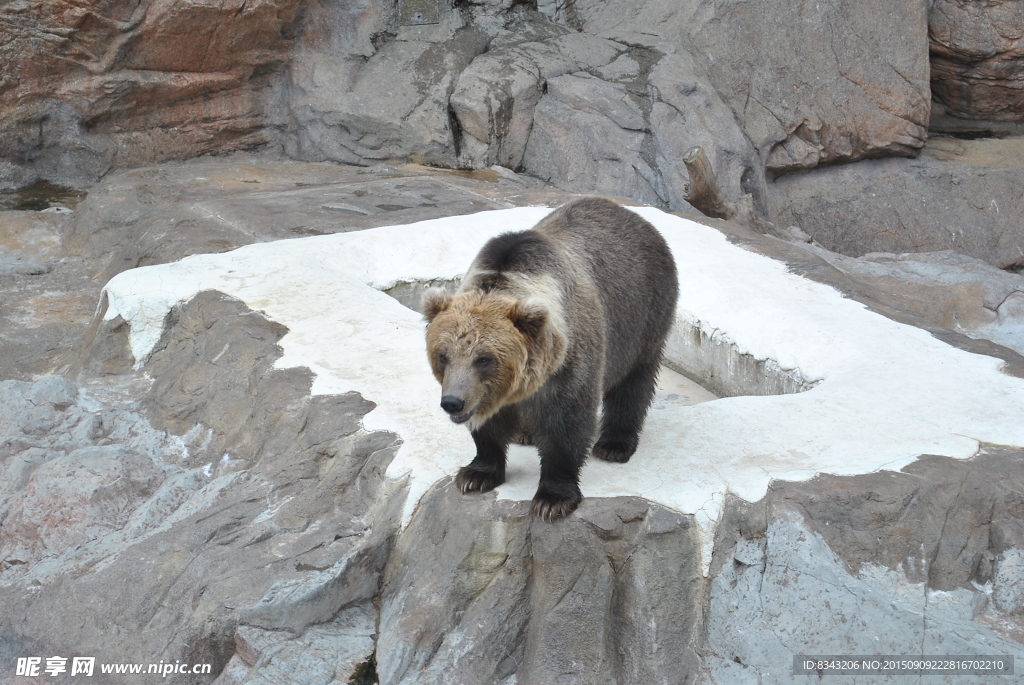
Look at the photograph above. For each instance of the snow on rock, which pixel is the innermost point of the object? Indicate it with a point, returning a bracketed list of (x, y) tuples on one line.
[(886, 392)]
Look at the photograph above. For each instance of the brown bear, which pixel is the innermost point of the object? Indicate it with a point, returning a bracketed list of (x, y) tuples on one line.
[(549, 325)]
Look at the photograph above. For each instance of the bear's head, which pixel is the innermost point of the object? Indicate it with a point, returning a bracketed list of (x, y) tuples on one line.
[(488, 350)]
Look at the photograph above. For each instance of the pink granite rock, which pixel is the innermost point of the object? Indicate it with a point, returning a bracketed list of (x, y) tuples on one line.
[(85, 86), (977, 56)]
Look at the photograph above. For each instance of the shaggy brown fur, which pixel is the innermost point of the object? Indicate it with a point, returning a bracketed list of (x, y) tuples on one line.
[(498, 350), (548, 325)]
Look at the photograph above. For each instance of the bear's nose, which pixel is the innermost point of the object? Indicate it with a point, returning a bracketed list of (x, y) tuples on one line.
[(452, 404)]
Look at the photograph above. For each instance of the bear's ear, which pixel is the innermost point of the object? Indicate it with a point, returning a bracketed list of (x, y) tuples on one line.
[(435, 301), (529, 316)]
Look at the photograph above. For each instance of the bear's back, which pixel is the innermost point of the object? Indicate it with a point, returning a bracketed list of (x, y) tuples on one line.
[(632, 269), (608, 272)]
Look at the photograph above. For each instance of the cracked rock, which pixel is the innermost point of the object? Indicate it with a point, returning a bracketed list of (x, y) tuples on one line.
[(809, 83), (977, 59), (961, 195)]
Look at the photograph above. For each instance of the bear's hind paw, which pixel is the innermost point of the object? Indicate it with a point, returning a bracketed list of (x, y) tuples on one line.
[(617, 451), (472, 479)]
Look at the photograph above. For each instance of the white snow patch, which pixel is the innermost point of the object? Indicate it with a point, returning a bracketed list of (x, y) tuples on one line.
[(888, 392)]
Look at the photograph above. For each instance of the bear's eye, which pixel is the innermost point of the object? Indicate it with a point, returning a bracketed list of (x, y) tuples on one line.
[(483, 362), (442, 359)]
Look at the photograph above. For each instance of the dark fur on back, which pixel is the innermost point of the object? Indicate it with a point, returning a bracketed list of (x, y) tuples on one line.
[(522, 251)]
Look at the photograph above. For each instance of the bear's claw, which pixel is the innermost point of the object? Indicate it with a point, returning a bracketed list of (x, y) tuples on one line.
[(550, 506), (618, 451), (472, 479)]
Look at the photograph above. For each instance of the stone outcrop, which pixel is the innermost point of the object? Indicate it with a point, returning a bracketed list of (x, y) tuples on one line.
[(588, 96), (961, 195), (612, 597), (623, 129), (156, 530), (496, 95), (977, 56), (809, 82), (947, 289), (389, 107), (86, 87), (208, 509), (889, 569)]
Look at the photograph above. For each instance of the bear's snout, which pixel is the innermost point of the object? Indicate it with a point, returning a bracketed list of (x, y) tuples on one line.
[(455, 406), (452, 404)]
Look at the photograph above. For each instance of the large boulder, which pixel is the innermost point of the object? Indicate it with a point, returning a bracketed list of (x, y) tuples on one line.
[(977, 52), (623, 129), (589, 114), (810, 82), (961, 195), (496, 95), (389, 106), (947, 289), (86, 86)]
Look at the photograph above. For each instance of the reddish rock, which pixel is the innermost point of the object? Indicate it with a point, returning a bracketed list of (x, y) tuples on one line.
[(977, 57), (88, 85)]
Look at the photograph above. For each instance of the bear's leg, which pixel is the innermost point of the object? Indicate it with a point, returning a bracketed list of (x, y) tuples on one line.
[(625, 408), (487, 470), (562, 441)]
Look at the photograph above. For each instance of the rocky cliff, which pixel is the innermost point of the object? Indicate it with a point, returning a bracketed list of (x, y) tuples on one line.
[(214, 499), (588, 96)]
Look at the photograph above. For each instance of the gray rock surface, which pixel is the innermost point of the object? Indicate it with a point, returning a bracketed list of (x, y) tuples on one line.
[(158, 214), (892, 563), (168, 540), (46, 296), (394, 108), (495, 97), (480, 591), (809, 82), (624, 130), (760, 617), (332, 652), (588, 133), (961, 195), (208, 509), (947, 289)]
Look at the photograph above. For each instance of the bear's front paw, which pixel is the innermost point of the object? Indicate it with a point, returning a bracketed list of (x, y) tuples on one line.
[(473, 479), (618, 451), (550, 505)]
